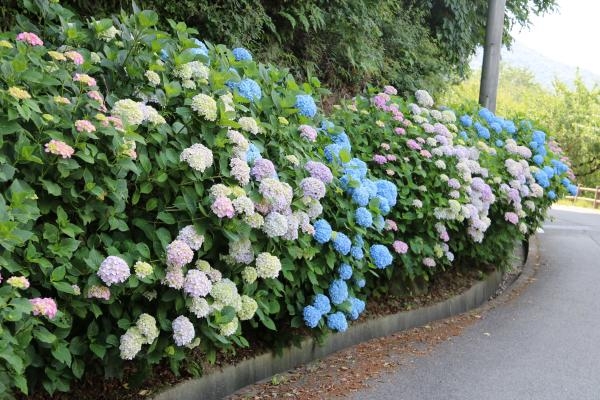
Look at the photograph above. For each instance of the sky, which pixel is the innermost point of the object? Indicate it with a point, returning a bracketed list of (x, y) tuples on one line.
[(569, 35)]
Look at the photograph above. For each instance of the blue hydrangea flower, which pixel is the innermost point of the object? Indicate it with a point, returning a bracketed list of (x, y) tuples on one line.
[(371, 186), (360, 196), (486, 114), (538, 159), (363, 217), (322, 231), (357, 252), (499, 143), (572, 189), (356, 168), (526, 125), (342, 243), (549, 171), (381, 256), (559, 166), (509, 126), (387, 190), (338, 291), (306, 105), (463, 135), (482, 131), (164, 55), (249, 89), (565, 181), (332, 152), (322, 304), (541, 178), (345, 271), (384, 205), (379, 222), (326, 125), (551, 194), (539, 137), (337, 322), (312, 316), (541, 150), (496, 127), (342, 139), (241, 54), (358, 306), (465, 120), (200, 48), (252, 154), (360, 283)]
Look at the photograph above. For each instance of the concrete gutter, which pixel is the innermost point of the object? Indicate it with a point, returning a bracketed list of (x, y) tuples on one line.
[(223, 383)]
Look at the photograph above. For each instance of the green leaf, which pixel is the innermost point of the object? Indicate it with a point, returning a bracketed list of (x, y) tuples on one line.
[(98, 350), (43, 335), (64, 287), (147, 18), (78, 367), (13, 360), (62, 353), (58, 274), (166, 217)]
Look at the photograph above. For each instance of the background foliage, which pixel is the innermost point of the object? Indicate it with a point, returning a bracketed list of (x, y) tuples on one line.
[(570, 112), (347, 44)]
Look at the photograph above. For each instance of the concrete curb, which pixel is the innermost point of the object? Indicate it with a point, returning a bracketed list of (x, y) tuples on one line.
[(220, 384)]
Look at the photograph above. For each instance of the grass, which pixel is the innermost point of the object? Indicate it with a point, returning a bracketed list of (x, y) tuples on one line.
[(578, 203)]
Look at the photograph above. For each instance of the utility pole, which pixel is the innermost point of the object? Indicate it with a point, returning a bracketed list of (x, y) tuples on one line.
[(490, 70)]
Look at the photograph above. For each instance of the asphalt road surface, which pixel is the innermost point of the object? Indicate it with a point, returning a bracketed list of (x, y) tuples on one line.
[(545, 344)]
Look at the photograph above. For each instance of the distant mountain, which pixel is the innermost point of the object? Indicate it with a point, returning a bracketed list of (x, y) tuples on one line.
[(544, 68)]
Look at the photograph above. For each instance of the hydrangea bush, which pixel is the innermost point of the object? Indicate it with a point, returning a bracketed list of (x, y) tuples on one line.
[(162, 194)]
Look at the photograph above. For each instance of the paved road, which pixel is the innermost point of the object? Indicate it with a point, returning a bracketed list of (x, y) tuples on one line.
[(545, 344)]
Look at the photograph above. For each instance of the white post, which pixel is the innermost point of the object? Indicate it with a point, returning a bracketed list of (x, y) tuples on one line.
[(490, 70)]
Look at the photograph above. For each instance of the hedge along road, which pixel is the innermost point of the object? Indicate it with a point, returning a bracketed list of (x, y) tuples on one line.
[(541, 345)]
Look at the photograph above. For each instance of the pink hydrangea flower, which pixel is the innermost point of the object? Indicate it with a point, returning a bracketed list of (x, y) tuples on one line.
[(400, 247), (308, 132), (223, 207), (391, 225), (390, 90), (379, 159), (98, 292), (391, 157), (83, 125), (59, 148), (385, 146), (74, 56), (425, 153), (511, 217), (429, 262), (30, 38), (44, 306), (413, 144), (85, 78), (400, 131), (179, 253)]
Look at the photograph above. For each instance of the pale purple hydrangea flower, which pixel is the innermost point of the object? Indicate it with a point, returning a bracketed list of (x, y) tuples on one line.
[(174, 277), (412, 144), (196, 283), (262, 169), (429, 262), (390, 90), (240, 170), (379, 159), (320, 171), (511, 217), (400, 247), (241, 251), (278, 194), (190, 236), (183, 331), (113, 270), (223, 207), (179, 254), (313, 188), (391, 157), (308, 132)]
